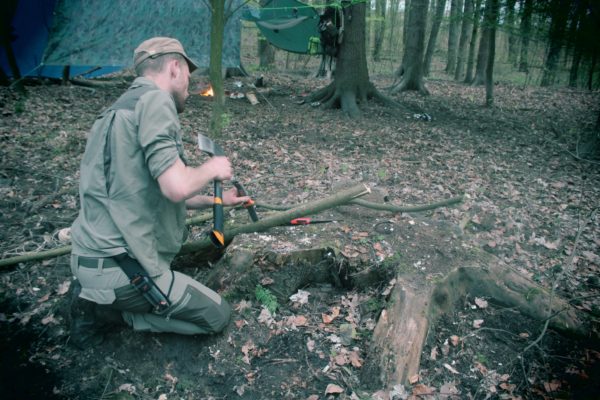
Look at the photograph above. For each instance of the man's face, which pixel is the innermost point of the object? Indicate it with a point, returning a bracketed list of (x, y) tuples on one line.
[(180, 86)]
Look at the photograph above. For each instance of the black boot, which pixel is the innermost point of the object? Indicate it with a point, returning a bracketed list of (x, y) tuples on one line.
[(86, 330), (108, 316)]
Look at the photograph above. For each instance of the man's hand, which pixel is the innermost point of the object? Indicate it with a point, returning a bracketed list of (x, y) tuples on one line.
[(220, 168), (231, 197)]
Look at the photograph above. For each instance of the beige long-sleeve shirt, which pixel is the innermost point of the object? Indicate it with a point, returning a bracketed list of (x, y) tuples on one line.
[(122, 208)]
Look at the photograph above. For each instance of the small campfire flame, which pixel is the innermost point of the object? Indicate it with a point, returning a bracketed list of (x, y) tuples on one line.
[(208, 92)]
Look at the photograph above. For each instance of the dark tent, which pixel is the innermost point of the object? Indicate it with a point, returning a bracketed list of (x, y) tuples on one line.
[(85, 34)]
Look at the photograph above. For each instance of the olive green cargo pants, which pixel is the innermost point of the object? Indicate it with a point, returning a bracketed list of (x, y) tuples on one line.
[(195, 309)]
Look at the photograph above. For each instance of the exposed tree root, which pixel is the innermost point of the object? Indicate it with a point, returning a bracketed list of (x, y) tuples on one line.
[(406, 84), (348, 98), (377, 95)]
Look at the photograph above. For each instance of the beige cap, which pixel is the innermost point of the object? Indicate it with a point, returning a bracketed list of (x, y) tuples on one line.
[(158, 46)]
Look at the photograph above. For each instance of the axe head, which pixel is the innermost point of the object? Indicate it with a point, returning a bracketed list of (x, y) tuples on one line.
[(208, 146)]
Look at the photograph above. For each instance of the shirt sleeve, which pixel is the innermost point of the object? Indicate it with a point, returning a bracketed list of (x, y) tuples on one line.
[(159, 131)]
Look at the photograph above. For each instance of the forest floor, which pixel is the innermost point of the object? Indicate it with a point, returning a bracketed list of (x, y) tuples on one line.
[(530, 198)]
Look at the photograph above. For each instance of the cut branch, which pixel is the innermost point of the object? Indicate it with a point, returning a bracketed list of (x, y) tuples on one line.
[(35, 256), (382, 207), (400, 209), (313, 207)]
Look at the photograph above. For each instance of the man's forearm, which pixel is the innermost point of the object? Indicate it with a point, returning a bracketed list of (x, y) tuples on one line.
[(180, 182), (198, 202)]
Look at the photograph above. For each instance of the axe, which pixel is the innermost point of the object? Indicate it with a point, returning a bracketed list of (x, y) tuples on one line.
[(216, 236)]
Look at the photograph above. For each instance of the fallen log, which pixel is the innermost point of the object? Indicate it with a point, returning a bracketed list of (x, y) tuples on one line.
[(313, 207), (97, 83)]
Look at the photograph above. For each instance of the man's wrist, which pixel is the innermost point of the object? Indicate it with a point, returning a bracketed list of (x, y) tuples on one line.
[(199, 202)]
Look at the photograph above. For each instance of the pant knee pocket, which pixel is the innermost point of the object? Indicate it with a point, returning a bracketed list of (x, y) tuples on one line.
[(199, 309)]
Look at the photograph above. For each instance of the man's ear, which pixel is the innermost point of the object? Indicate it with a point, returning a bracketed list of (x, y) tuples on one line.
[(174, 68)]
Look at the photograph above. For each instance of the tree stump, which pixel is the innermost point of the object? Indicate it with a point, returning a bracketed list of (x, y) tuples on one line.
[(435, 285), (434, 270), (266, 259), (412, 308)]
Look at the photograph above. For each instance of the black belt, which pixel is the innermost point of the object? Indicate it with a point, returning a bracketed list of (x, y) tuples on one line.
[(93, 262), (138, 277)]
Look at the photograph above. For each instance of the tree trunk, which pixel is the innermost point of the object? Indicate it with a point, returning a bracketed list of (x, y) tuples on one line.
[(492, 18), (464, 39), (592, 43), (4, 81), (579, 27), (510, 30), (560, 13), (400, 71), (351, 83), (574, 71), (473, 42), (393, 18), (266, 52), (215, 67), (482, 54), (12, 61), (379, 28), (526, 14), (453, 30), (591, 71), (412, 62), (440, 6), (405, 25)]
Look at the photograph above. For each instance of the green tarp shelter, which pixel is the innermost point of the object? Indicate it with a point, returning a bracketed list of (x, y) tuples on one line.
[(288, 24)]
